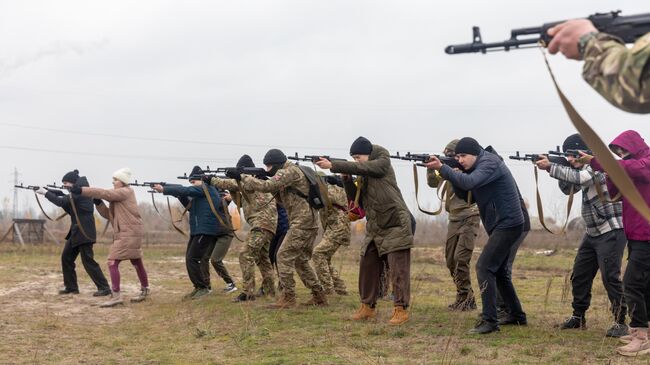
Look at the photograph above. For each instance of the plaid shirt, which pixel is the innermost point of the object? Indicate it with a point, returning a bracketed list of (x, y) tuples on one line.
[(600, 217)]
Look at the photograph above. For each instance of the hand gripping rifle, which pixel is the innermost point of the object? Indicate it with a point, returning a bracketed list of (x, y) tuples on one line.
[(34, 188), (628, 28)]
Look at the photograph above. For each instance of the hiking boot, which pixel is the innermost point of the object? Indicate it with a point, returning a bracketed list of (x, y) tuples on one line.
[(484, 327), (144, 293), (284, 302), (463, 304), (341, 291), (201, 293), (638, 345), (318, 299), (116, 299), (189, 295), (243, 297), (67, 291), (230, 287), (102, 293), (618, 330), (364, 313), (400, 315), (573, 322), (509, 319)]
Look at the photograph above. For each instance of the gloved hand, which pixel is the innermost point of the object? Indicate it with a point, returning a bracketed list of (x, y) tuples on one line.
[(41, 191), (234, 174), (207, 179), (75, 190), (98, 201)]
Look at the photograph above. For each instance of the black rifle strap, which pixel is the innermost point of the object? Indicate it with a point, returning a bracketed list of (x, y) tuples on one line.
[(76, 216), (614, 171)]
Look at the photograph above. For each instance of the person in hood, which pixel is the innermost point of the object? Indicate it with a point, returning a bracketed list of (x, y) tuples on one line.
[(81, 235), (635, 160)]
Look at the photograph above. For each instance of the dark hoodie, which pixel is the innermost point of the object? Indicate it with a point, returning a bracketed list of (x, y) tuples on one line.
[(85, 208), (637, 167)]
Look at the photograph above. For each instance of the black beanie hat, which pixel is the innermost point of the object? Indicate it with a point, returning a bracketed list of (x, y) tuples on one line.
[(468, 145), (196, 174), (574, 142), (245, 161), (361, 146), (274, 157), (71, 177)]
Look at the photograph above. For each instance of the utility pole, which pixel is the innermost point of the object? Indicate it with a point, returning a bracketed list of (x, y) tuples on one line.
[(15, 202)]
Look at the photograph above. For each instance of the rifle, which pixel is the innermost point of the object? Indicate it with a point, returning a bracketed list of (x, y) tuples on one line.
[(569, 153), (534, 157), (185, 177), (628, 28), (313, 158), (28, 187), (258, 172), (421, 158), (151, 184)]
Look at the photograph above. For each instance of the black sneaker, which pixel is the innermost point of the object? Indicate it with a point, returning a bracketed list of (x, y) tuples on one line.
[(243, 297), (102, 293), (509, 319), (617, 330), (573, 322), (68, 291), (484, 327)]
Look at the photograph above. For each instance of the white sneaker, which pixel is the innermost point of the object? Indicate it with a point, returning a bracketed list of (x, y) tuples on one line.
[(230, 288)]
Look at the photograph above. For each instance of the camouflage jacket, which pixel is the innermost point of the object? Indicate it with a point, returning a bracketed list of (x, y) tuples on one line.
[(337, 225), (260, 212), (620, 74), (284, 185), (456, 207)]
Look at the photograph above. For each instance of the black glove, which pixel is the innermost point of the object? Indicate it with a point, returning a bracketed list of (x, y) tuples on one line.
[(98, 201), (75, 189), (207, 179), (234, 174), (56, 192)]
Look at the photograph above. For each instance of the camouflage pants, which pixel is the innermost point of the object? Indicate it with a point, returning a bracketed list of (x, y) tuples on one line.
[(256, 252), (458, 253), (294, 255), (327, 274)]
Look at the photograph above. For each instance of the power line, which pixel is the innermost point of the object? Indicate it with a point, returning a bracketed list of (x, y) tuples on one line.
[(96, 154)]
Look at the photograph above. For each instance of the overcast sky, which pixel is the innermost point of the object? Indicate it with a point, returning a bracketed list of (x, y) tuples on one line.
[(77, 77)]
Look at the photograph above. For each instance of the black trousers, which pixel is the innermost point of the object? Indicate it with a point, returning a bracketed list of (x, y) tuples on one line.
[(604, 253), (493, 274), (501, 305), (637, 282), (68, 258), (199, 248)]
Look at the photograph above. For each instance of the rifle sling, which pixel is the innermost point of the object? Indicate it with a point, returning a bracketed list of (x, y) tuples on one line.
[(540, 209), (416, 183), (228, 225), (76, 216), (614, 171), (171, 219), (43, 211)]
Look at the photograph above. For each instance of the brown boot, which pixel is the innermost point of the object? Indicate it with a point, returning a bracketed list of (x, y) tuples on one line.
[(400, 315), (364, 313), (639, 344), (318, 299), (284, 302)]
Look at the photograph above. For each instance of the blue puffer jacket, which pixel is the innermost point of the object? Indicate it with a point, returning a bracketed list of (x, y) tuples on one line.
[(202, 220), (494, 190)]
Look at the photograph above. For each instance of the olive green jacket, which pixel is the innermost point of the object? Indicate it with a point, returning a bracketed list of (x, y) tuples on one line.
[(389, 220)]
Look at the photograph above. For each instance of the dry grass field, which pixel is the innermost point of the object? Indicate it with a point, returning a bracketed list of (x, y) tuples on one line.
[(40, 327)]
